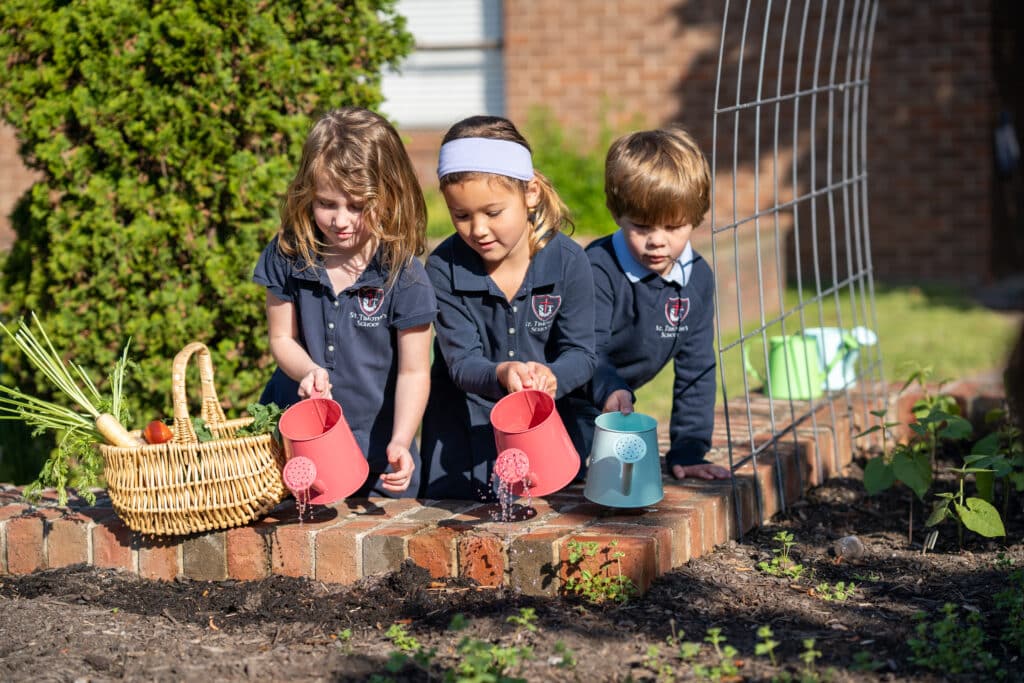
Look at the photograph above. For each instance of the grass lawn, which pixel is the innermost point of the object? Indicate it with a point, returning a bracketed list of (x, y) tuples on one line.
[(930, 326)]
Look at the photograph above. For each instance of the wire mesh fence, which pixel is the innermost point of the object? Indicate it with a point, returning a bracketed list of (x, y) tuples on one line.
[(790, 238)]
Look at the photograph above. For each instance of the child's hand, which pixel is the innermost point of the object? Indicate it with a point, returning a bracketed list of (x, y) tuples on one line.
[(704, 470), (544, 379), (620, 400), (316, 383), (402, 466), (515, 376)]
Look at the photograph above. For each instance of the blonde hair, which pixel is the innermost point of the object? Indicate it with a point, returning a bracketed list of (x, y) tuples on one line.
[(550, 216), (657, 176), (356, 151)]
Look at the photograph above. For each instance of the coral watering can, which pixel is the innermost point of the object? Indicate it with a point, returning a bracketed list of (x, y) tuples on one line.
[(625, 468), (535, 455), (794, 367), (325, 463), (835, 342)]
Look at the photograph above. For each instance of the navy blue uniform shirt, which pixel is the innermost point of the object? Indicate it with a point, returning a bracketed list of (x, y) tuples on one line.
[(352, 335), (549, 320), (643, 325)]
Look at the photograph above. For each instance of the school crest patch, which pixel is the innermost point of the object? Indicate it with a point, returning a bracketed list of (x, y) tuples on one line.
[(545, 306), (370, 300), (676, 310)]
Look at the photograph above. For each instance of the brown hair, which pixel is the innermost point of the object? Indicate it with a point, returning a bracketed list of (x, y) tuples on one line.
[(551, 215), (357, 151), (657, 176)]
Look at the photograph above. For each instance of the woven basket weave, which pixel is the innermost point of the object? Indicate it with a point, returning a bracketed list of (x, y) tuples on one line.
[(184, 486)]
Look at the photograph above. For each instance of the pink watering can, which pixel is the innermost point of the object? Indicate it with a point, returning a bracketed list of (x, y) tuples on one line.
[(325, 464), (535, 455)]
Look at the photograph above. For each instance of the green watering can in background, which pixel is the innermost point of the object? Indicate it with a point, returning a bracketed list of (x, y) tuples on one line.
[(795, 368)]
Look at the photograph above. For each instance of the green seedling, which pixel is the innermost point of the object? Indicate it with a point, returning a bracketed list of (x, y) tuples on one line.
[(1010, 602), (726, 666), (839, 592), (766, 646), (782, 564), (525, 619), (865, 661), (565, 657), (809, 656), (949, 646), (1002, 453), (607, 583), (977, 514)]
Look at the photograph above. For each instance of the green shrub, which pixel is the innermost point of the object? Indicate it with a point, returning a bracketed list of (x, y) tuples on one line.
[(164, 134)]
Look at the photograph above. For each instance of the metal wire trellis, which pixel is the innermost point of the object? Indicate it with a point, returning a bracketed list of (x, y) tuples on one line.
[(788, 161)]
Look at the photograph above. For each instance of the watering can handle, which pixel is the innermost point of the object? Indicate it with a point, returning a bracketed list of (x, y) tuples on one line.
[(749, 367), (847, 344)]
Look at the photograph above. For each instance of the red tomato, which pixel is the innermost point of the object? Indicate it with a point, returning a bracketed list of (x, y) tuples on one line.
[(157, 432)]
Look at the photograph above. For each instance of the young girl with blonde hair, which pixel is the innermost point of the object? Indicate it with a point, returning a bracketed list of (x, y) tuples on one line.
[(515, 299), (349, 306)]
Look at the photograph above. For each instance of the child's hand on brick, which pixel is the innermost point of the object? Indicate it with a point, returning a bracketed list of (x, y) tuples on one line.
[(402, 466), (620, 400), (704, 470), (315, 384)]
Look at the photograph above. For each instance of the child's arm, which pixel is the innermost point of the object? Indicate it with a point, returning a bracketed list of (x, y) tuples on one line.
[(412, 386), (458, 337), (291, 357), (609, 391), (693, 404), (573, 332)]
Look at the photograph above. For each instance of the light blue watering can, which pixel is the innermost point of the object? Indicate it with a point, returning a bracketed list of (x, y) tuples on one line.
[(625, 468), (838, 350)]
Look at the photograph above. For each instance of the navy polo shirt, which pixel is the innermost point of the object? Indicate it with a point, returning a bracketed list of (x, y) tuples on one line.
[(642, 325), (549, 320), (353, 336)]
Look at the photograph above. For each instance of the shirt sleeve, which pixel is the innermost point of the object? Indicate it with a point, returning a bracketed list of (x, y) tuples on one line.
[(272, 271), (458, 337), (414, 302), (574, 327), (693, 404), (606, 376)]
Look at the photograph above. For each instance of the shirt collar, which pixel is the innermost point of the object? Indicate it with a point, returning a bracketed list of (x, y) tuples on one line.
[(635, 272), (469, 275)]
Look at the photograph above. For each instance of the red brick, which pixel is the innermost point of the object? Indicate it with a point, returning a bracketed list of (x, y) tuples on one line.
[(67, 540), (482, 558), (204, 558), (662, 538), (339, 551), (248, 553), (25, 542), (112, 545), (159, 558), (434, 549), (291, 541), (682, 524)]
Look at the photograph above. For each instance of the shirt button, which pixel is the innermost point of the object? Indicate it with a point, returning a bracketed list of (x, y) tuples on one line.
[(330, 326), (331, 347), (335, 303), (511, 353), (515, 309), (511, 330)]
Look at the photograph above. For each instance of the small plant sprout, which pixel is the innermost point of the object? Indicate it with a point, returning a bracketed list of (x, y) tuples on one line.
[(808, 657), (976, 514), (564, 657), (727, 666), (782, 564), (766, 646), (605, 583), (525, 619), (839, 592)]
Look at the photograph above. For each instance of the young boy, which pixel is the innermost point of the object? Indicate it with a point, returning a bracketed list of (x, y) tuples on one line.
[(655, 294)]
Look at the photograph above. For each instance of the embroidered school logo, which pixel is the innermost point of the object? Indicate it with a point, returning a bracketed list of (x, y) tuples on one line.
[(545, 306), (370, 300), (676, 310)]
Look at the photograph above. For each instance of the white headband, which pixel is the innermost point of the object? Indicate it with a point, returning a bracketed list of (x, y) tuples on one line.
[(487, 156)]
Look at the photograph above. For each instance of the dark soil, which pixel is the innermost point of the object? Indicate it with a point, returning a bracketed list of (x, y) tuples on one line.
[(84, 624)]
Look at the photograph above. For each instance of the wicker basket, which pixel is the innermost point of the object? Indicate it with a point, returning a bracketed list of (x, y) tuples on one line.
[(184, 486)]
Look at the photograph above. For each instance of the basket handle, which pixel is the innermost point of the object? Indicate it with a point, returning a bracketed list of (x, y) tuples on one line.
[(211, 411)]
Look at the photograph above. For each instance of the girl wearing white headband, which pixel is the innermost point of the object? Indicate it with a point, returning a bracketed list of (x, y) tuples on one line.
[(515, 302)]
